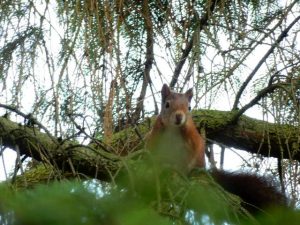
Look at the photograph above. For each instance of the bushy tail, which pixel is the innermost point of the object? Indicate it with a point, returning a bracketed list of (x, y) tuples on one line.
[(257, 193)]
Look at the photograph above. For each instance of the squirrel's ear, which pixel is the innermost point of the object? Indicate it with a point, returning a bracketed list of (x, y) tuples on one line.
[(165, 91), (189, 94)]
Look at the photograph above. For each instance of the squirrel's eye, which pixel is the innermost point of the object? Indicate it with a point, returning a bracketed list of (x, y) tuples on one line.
[(167, 105), (190, 108)]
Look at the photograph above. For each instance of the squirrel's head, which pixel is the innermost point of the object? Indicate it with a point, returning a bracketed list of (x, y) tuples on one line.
[(175, 107)]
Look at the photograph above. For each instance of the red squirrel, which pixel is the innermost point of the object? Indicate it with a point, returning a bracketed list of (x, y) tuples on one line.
[(174, 128)]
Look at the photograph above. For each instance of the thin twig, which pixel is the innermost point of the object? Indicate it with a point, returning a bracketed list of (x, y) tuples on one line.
[(263, 59), (258, 97), (149, 59), (202, 23)]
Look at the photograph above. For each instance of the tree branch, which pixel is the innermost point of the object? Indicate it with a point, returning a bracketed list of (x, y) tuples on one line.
[(251, 135), (203, 21), (30, 119), (33, 143), (276, 140), (283, 34), (255, 100), (149, 60), (254, 136)]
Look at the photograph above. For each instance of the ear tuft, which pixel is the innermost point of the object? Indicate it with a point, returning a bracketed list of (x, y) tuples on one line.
[(189, 94), (165, 92)]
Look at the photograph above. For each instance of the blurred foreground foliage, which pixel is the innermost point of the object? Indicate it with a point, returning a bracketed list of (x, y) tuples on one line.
[(143, 193)]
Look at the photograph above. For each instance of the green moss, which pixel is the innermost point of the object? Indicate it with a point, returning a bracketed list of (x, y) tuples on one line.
[(212, 119), (39, 174)]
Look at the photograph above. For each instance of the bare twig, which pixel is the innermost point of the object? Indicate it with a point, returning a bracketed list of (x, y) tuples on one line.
[(258, 97), (149, 59), (201, 24), (263, 59), (82, 130)]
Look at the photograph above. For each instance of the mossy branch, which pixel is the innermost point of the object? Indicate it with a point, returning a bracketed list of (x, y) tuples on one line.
[(251, 135)]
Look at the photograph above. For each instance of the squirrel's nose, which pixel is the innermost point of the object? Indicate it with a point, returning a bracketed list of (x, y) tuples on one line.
[(178, 117)]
